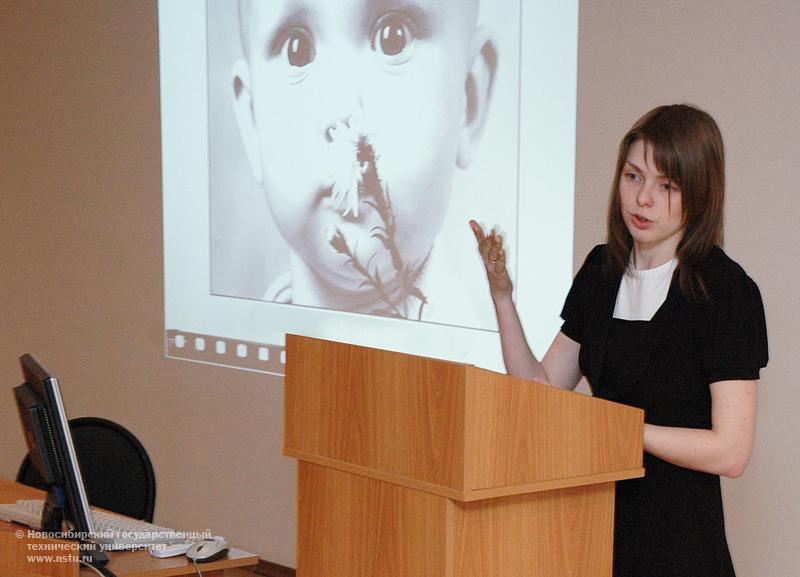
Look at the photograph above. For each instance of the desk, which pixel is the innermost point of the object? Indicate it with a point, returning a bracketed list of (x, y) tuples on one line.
[(15, 547)]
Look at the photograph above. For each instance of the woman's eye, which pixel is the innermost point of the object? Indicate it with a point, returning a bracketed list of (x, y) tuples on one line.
[(298, 48), (631, 176), (394, 35)]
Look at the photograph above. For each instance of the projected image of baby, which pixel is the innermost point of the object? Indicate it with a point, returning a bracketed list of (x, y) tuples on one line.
[(354, 115)]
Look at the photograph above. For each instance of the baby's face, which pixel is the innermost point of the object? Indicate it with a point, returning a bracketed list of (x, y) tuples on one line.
[(358, 107)]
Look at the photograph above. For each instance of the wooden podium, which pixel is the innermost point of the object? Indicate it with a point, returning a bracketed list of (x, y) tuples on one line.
[(411, 466)]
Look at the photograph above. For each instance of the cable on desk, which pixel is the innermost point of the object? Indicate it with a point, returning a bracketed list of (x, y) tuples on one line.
[(99, 569)]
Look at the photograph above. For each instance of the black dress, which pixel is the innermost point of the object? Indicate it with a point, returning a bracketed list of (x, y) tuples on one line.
[(669, 523)]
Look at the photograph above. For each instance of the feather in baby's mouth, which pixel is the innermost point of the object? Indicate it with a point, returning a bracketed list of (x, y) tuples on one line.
[(353, 168)]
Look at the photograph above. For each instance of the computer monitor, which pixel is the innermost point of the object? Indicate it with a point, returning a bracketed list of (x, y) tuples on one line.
[(47, 434)]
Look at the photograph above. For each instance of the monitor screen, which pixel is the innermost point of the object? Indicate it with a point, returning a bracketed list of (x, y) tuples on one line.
[(47, 434)]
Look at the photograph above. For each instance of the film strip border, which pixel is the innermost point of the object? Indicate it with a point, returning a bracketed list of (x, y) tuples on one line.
[(216, 350)]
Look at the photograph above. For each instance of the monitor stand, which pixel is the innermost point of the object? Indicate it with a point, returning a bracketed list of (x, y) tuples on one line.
[(53, 517)]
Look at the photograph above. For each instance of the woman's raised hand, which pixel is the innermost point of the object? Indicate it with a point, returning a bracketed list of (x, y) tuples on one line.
[(494, 259)]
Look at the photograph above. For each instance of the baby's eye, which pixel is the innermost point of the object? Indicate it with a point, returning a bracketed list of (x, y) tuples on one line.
[(298, 47), (394, 36)]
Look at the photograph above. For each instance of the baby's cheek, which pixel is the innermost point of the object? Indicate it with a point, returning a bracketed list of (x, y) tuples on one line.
[(417, 230), (420, 198), (292, 212)]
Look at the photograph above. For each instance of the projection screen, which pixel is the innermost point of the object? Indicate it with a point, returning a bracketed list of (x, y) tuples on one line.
[(321, 161)]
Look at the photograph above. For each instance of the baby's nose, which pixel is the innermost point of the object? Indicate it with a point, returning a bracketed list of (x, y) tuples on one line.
[(343, 104), (346, 124)]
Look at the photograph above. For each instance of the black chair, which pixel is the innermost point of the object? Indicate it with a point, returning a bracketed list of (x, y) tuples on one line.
[(115, 467)]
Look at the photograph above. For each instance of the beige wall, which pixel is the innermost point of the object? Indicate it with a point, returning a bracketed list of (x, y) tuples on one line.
[(80, 243)]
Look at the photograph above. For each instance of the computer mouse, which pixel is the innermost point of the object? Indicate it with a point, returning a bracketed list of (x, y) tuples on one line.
[(208, 550)]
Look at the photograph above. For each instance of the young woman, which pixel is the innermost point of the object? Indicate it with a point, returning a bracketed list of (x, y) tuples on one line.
[(662, 319)]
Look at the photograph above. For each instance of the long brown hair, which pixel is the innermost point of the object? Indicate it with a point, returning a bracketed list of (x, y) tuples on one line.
[(687, 149)]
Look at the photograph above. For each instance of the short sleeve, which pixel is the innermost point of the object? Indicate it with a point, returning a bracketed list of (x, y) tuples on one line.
[(735, 343), (574, 311)]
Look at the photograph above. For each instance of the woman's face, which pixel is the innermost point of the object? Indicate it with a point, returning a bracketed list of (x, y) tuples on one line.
[(650, 203)]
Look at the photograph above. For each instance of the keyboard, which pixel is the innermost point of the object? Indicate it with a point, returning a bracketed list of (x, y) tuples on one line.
[(111, 531)]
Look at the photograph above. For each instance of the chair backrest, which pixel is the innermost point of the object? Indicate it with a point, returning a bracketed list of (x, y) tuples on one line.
[(115, 467)]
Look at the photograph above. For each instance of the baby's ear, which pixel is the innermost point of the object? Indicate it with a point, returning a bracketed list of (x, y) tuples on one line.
[(479, 87), (245, 116)]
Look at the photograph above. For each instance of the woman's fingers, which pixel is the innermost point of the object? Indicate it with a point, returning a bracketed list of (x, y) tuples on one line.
[(491, 250), (478, 232), (490, 247), (501, 254), (483, 241), (476, 228), (496, 255)]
